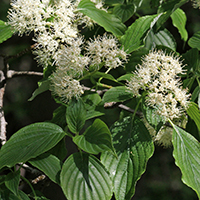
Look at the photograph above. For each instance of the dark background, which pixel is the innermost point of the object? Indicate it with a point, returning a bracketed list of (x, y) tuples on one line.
[(161, 181)]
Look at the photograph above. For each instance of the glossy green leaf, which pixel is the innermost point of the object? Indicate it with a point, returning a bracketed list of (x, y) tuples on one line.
[(133, 38), (194, 41), (168, 7), (76, 115), (12, 181), (49, 164), (91, 100), (124, 11), (5, 31), (96, 138), (83, 177), (125, 77), (98, 75), (162, 38), (93, 113), (134, 146), (117, 94), (179, 21), (29, 142), (194, 113), (108, 21), (187, 157), (43, 87)]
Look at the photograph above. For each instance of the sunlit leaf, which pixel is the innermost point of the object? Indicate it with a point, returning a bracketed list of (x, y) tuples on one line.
[(5, 31), (179, 21), (134, 146)]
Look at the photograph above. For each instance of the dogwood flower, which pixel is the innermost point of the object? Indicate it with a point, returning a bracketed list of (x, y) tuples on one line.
[(64, 86), (105, 49), (158, 75)]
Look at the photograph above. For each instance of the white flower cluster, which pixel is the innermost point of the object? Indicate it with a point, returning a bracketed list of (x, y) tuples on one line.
[(57, 41), (64, 86), (105, 49), (158, 75)]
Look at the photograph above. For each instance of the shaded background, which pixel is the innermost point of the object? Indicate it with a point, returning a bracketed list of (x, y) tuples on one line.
[(162, 178)]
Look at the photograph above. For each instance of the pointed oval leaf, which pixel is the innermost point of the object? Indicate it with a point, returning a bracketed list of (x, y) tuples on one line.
[(49, 164), (179, 21), (194, 41), (187, 157), (133, 38), (117, 94), (43, 86), (108, 21), (124, 11), (76, 115), (83, 177), (134, 146), (12, 181), (5, 31), (29, 142), (96, 138)]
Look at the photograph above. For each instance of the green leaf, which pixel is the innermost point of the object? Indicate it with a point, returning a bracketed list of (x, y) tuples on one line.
[(12, 181), (124, 11), (162, 38), (30, 142), (134, 146), (155, 120), (76, 115), (49, 164), (108, 21), (60, 150), (98, 75), (125, 77), (135, 59), (133, 38), (91, 100), (194, 113), (5, 31), (168, 7), (194, 41), (191, 60), (179, 21), (117, 94), (187, 157), (93, 113), (96, 138), (59, 117), (43, 87), (83, 177)]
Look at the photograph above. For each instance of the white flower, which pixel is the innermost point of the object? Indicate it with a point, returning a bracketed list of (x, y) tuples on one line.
[(64, 86), (196, 3), (105, 49), (158, 75), (69, 58)]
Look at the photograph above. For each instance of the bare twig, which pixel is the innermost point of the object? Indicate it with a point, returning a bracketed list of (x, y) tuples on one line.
[(3, 122), (13, 73)]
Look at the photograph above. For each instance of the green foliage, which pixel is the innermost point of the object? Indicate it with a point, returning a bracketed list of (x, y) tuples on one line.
[(110, 158), (186, 154), (179, 21), (134, 147), (108, 21), (29, 142), (5, 31), (84, 177)]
